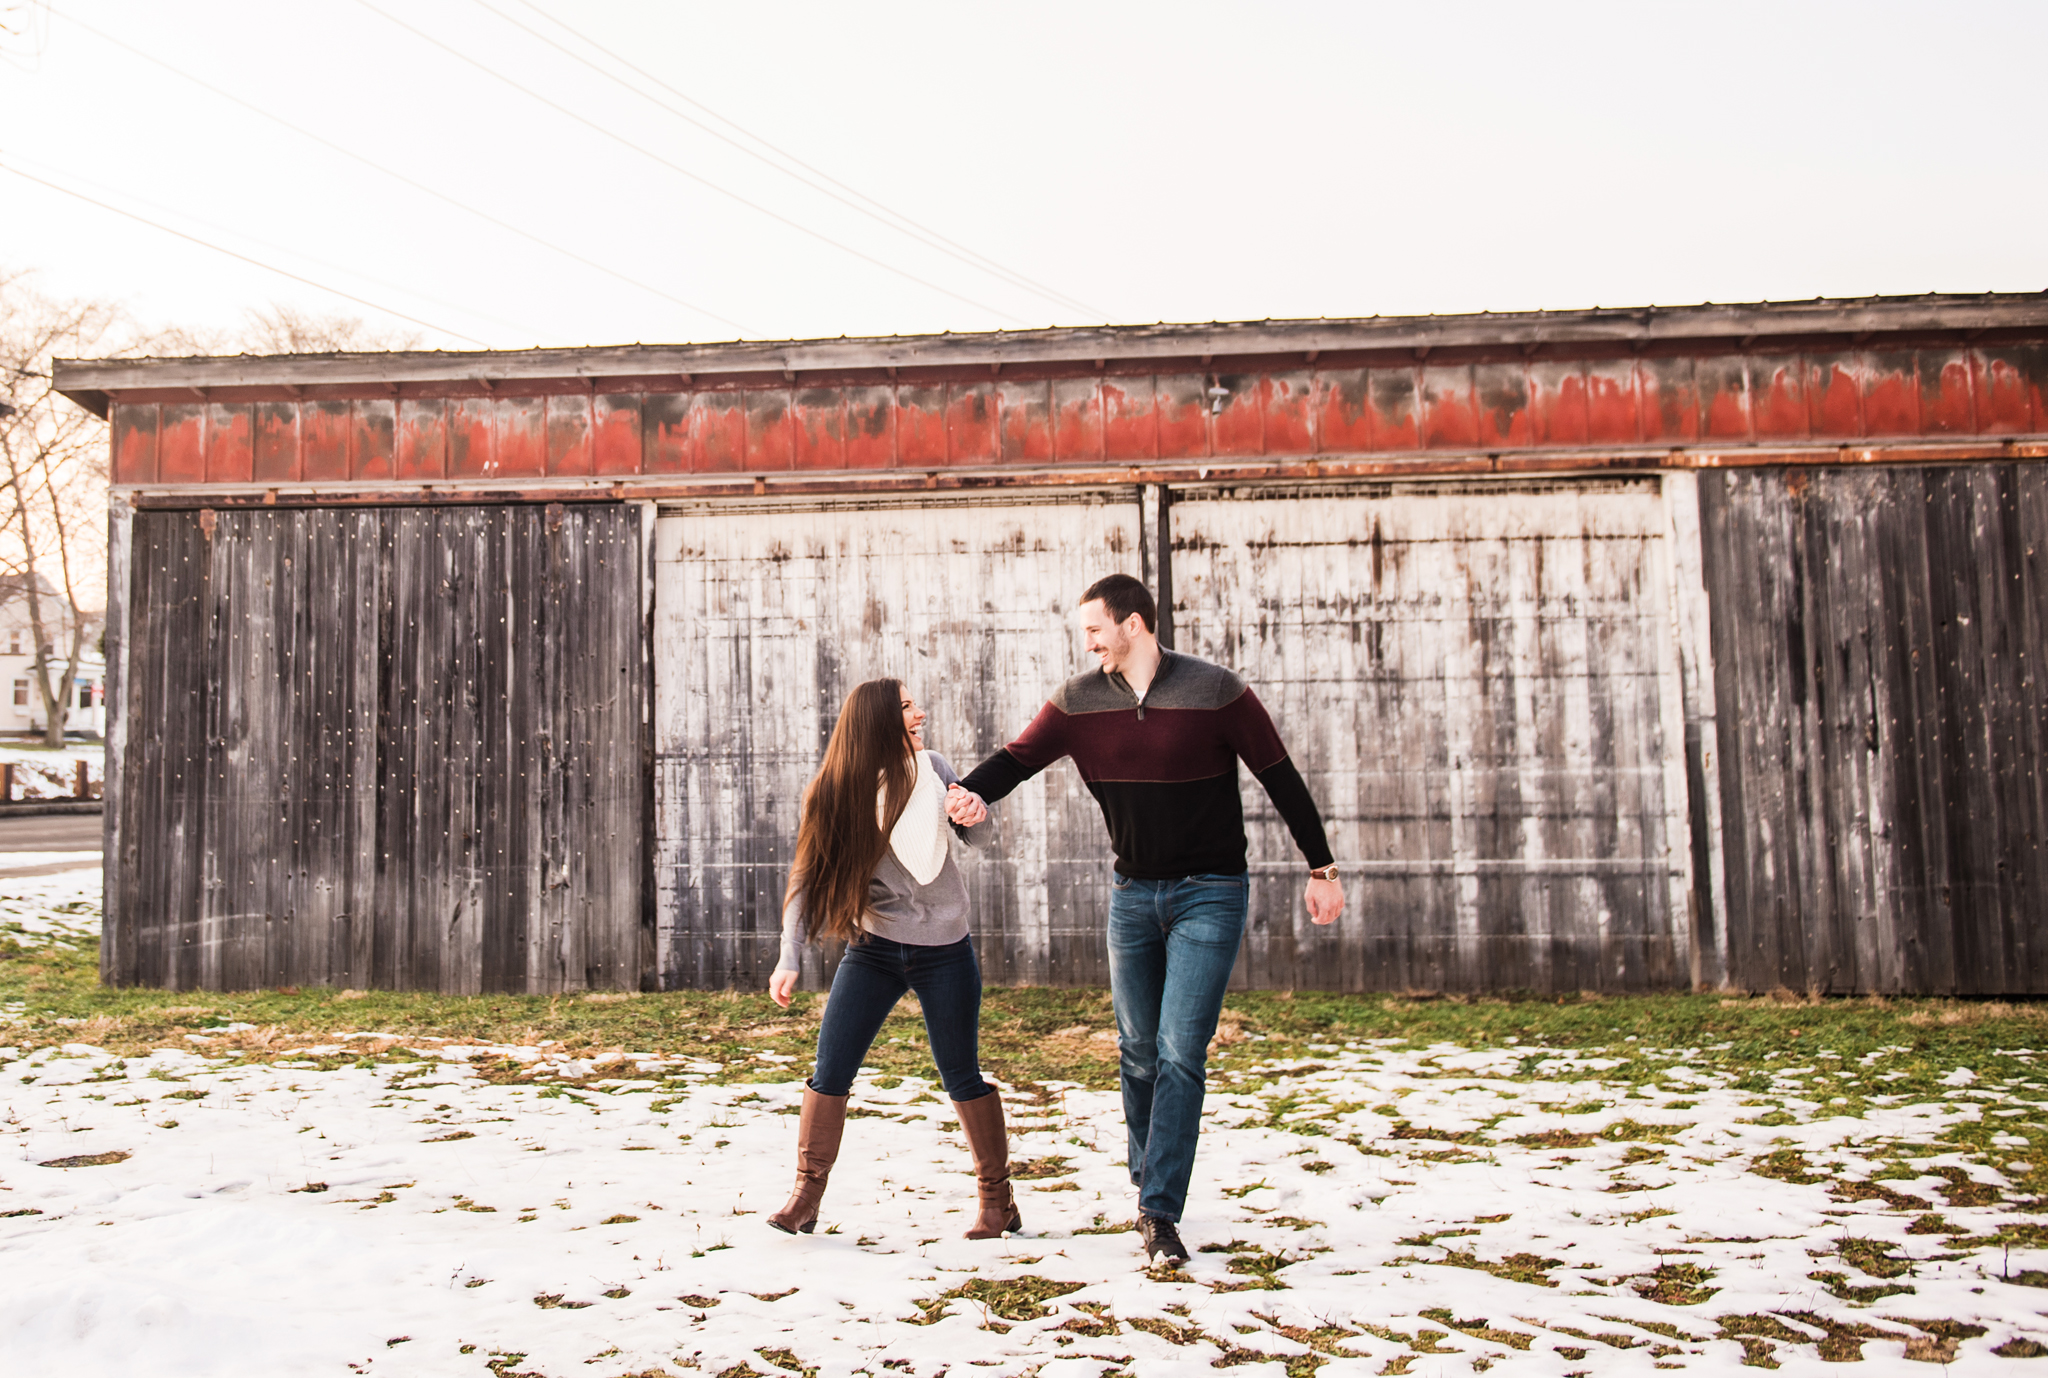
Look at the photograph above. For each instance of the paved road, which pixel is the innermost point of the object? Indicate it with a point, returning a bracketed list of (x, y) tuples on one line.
[(56, 832)]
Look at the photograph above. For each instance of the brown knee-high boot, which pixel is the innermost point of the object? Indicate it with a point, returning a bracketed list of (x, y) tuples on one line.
[(818, 1131), (981, 1119)]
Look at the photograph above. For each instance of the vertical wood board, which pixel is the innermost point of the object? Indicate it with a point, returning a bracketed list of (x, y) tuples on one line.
[(1480, 685), (767, 615), (1878, 638), (395, 748)]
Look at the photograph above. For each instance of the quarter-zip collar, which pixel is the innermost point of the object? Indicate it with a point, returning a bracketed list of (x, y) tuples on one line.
[(1116, 677)]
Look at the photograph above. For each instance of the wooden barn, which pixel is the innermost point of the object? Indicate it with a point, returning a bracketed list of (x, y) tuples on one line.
[(1624, 650)]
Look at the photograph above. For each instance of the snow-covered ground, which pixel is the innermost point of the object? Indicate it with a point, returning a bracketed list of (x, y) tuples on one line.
[(44, 774), (37, 909), (1386, 1208)]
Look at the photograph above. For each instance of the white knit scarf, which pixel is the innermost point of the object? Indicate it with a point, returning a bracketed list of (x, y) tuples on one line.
[(920, 835)]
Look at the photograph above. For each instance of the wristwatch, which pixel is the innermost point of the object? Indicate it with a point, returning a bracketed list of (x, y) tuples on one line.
[(1323, 872)]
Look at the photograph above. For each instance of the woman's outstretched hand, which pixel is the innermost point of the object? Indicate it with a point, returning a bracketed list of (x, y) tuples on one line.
[(964, 808), (780, 985)]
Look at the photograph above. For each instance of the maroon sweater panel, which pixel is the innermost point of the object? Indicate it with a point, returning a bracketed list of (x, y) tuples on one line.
[(1155, 745)]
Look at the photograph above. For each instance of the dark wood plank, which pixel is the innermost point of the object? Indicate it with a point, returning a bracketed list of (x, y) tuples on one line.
[(325, 778), (1882, 767), (117, 923), (2027, 558)]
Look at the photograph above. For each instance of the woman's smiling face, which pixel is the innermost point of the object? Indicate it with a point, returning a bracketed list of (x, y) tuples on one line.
[(913, 721)]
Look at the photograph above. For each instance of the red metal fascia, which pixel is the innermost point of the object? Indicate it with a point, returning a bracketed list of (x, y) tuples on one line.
[(1413, 465), (1241, 364), (479, 430)]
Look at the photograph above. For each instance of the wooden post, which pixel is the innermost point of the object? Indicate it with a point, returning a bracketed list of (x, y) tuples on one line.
[(79, 790), (7, 782)]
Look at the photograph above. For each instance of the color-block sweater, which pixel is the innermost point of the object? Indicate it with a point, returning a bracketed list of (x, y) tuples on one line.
[(1164, 770)]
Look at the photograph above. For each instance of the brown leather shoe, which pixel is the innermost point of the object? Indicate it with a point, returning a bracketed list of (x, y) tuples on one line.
[(818, 1131), (981, 1119)]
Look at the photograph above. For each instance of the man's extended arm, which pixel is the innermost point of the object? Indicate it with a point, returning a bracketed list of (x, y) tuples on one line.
[(1289, 793), (1252, 735), (1037, 747), (1249, 730)]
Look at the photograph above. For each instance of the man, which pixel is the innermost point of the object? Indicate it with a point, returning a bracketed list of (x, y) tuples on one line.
[(1157, 736)]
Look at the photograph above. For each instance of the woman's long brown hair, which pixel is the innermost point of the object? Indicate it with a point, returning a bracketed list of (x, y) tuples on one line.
[(840, 841)]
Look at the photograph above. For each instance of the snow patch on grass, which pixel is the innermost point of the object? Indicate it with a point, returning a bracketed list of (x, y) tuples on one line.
[(387, 1201)]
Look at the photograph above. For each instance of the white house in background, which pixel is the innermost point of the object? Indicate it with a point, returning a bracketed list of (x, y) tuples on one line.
[(21, 706)]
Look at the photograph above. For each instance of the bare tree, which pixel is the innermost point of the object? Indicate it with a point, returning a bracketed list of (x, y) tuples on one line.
[(53, 456), (281, 329), (53, 471)]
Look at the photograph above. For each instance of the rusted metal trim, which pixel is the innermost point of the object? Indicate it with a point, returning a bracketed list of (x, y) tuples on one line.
[(1418, 464), (1148, 346)]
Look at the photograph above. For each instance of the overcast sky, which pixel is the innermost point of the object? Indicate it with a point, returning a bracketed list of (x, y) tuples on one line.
[(1133, 162)]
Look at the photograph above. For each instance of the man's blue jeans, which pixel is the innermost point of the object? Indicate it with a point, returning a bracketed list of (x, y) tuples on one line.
[(1172, 944)]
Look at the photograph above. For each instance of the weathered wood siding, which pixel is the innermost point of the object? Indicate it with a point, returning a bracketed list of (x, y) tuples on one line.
[(766, 615), (399, 748), (1879, 637), (1479, 683)]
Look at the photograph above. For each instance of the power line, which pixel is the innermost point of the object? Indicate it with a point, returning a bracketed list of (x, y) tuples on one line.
[(256, 262), (678, 168), (285, 249), (873, 209), (378, 167)]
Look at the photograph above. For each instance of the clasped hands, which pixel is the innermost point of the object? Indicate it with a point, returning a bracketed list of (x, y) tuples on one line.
[(964, 807)]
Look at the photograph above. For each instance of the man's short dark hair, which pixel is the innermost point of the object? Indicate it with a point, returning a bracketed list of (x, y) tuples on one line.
[(1123, 595)]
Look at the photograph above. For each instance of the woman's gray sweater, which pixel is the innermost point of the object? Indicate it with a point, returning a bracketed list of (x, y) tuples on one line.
[(898, 907)]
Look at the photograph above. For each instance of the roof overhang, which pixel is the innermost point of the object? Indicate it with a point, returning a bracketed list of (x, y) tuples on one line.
[(93, 383)]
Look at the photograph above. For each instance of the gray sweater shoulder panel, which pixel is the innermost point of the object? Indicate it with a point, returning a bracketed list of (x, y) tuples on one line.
[(1183, 681)]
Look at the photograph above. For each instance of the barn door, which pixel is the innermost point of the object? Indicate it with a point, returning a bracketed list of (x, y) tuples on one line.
[(767, 614), (1480, 683)]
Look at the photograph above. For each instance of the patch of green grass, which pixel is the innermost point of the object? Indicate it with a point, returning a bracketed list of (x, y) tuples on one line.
[(1677, 1284), (786, 1360), (1555, 1138), (1026, 1037), (1015, 1299), (1054, 1166), (1761, 1324), (1259, 1268), (1479, 1329), (1169, 1331), (1628, 1131), (1843, 1343), (1786, 1165), (1323, 1339), (1876, 1191), (1424, 1241), (1012, 1299), (1611, 1339), (1873, 1256), (1404, 1130), (1529, 1268), (1841, 1289), (1664, 1328)]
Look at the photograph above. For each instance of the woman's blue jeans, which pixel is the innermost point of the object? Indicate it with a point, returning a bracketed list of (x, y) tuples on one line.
[(1172, 944), (872, 977)]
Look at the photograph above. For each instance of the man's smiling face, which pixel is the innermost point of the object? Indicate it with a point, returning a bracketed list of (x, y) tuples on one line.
[(1107, 639)]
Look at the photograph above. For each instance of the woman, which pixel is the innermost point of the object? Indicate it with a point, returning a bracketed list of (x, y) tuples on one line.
[(874, 869)]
